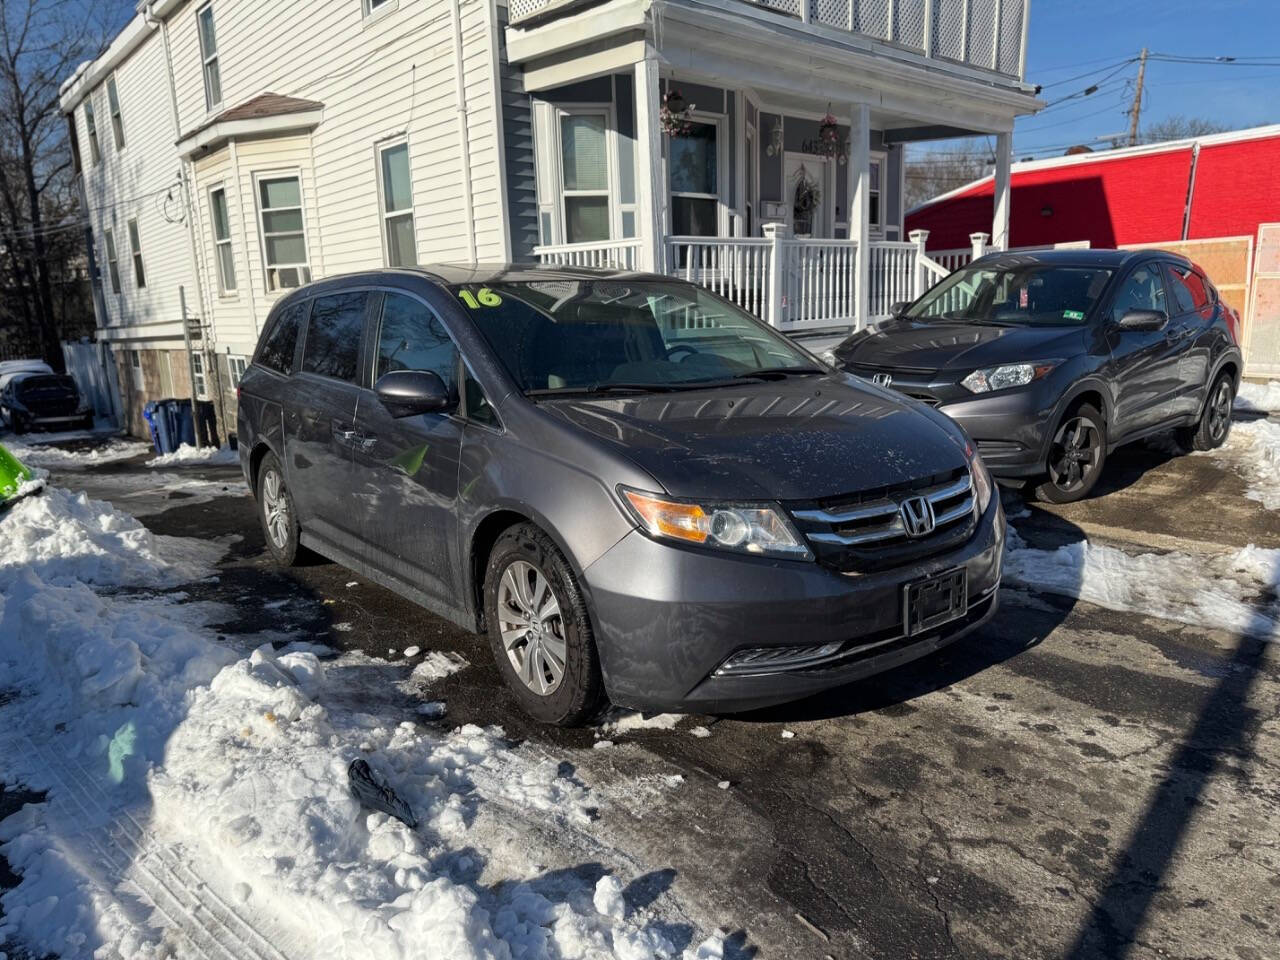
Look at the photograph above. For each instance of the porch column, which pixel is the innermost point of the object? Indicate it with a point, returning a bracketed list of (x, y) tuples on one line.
[(860, 207), (1000, 223), (649, 186)]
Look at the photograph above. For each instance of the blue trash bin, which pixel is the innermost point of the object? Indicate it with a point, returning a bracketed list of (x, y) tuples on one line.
[(158, 421), (184, 423)]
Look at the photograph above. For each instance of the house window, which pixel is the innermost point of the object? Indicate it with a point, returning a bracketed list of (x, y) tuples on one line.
[(397, 205), (284, 241), (197, 375), (113, 262), (874, 205), (95, 154), (209, 58), (135, 250), (370, 7), (236, 367), (584, 169), (695, 191), (222, 240), (113, 104), (135, 369)]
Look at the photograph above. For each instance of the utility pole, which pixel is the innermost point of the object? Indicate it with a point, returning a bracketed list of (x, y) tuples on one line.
[(1135, 112)]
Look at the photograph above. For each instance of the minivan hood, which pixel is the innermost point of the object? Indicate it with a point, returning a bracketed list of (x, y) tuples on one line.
[(903, 343), (805, 438)]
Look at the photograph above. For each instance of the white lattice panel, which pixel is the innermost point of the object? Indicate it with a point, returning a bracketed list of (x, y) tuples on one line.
[(982, 32), (908, 27), (1011, 37), (830, 13), (519, 9), (948, 29), (791, 7), (871, 17)]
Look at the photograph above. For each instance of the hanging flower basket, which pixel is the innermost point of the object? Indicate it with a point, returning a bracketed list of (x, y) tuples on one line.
[(829, 135), (675, 117)]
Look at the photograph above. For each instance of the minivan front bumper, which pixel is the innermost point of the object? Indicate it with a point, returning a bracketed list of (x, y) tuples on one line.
[(668, 620)]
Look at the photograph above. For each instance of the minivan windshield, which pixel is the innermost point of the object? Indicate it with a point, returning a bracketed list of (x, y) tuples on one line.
[(1023, 295), (558, 336)]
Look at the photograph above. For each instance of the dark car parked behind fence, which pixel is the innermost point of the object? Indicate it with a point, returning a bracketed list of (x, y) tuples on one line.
[(635, 488), (1051, 360), (34, 400)]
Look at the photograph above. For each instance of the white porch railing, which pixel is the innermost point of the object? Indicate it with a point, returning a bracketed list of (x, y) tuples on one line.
[(609, 254), (991, 34), (793, 283)]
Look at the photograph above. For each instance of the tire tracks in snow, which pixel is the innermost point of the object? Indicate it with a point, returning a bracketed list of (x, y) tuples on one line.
[(132, 854)]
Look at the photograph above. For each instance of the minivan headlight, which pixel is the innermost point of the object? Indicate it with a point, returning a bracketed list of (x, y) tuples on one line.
[(983, 485), (756, 529), (1004, 376)]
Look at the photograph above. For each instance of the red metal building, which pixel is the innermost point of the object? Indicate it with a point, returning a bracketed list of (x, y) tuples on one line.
[(1223, 185)]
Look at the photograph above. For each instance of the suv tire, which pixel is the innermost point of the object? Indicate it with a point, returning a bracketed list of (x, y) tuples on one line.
[(1214, 425), (539, 628), (1077, 455), (276, 511)]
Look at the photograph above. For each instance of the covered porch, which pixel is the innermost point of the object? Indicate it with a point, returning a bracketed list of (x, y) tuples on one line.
[(757, 155)]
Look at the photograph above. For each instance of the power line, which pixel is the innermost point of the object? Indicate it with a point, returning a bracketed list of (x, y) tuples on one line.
[(1088, 73)]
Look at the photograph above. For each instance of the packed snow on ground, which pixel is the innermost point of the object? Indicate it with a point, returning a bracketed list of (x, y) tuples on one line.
[(206, 779), (44, 454), (1259, 397), (1233, 591), (1253, 451), (618, 721), (187, 455)]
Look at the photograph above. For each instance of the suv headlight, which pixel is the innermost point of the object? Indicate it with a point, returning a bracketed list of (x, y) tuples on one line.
[(759, 530), (1006, 375)]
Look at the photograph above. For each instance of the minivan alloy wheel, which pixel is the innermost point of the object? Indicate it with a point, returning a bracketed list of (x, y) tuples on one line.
[(532, 627), (275, 508)]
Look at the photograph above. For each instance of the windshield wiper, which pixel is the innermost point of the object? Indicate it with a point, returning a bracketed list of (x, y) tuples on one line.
[(779, 373), (597, 389)]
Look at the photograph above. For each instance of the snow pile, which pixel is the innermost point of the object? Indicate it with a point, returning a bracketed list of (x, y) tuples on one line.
[(187, 455), (184, 774), (1233, 591), (43, 454), (1259, 397), (1253, 450)]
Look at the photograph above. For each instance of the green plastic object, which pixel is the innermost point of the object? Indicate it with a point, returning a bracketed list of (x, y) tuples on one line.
[(12, 476)]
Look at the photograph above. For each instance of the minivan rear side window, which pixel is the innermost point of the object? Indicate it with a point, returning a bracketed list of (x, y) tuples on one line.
[(278, 348), (332, 347), (413, 338)]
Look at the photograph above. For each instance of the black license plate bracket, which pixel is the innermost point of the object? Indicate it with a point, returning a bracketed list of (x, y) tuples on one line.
[(935, 601)]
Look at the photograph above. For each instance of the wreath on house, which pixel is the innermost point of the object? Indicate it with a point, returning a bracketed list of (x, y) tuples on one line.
[(807, 196), (676, 116)]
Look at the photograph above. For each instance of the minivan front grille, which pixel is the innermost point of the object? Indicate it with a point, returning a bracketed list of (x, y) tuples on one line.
[(870, 532)]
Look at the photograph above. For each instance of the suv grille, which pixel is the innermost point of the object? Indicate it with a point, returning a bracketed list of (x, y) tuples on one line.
[(867, 532)]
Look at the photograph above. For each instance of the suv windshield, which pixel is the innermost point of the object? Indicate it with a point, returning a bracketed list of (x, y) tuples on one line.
[(598, 336), (1033, 295)]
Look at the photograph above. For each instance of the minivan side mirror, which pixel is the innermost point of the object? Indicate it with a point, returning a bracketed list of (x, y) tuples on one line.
[(1144, 320), (406, 393)]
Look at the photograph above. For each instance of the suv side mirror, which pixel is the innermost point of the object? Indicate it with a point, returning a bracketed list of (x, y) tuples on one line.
[(406, 393), (1144, 320)]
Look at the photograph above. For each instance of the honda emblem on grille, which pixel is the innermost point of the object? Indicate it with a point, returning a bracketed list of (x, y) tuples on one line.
[(882, 379), (917, 516)]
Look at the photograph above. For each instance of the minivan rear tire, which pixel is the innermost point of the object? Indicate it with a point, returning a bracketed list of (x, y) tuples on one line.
[(522, 555), (277, 513)]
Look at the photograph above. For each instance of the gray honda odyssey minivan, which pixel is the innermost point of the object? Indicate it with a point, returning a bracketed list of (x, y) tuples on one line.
[(636, 489)]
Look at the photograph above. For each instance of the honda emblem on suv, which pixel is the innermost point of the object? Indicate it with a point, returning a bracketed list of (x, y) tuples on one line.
[(882, 379), (917, 516)]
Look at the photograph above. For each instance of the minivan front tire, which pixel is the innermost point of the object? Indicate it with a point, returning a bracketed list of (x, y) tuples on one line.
[(276, 511), (539, 628)]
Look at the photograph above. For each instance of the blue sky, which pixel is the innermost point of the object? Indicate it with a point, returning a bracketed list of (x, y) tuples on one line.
[(1072, 37)]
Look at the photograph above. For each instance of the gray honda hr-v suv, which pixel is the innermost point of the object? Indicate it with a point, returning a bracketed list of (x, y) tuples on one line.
[(634, 488)]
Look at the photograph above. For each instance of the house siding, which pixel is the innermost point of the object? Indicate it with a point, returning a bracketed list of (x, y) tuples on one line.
[(138, 182), (517, 138)]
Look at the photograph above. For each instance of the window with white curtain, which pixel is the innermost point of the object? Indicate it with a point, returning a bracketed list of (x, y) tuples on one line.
[(284, 241), (695, 182), (584, 173), (396, 186)]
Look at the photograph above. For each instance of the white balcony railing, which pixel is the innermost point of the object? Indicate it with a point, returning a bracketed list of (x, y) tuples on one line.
[(982, 33), (791, 283)]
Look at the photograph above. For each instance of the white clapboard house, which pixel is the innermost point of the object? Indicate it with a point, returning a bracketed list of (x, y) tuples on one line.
[(231, 150)]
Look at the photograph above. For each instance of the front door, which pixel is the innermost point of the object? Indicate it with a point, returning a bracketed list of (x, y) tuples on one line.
[(805, 190), (406, 469), (320, 419), (1145, 365)]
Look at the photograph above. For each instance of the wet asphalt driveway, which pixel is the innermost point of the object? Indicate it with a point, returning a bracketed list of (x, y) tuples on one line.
[(1070, 781)]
